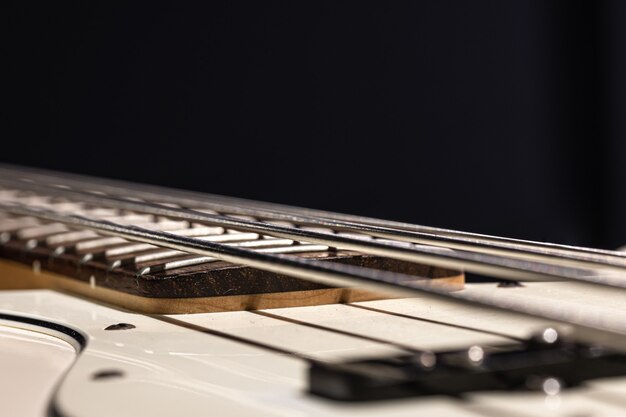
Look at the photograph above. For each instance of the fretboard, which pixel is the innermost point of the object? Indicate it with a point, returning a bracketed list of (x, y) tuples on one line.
[(98, 260), (161, 244)]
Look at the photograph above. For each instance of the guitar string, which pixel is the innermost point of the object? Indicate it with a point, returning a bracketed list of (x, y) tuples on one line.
[(608, 260), (438, 322), (610, 333), (240, 339), (398, 345), (481, 263), (559, 254), (237, 236), (281, 212)]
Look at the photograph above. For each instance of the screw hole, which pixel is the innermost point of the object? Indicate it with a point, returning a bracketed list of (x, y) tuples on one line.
[(107, 374), (120, 326), (510, 284)]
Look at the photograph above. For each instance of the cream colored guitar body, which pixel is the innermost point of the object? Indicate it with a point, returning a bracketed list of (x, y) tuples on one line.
[(223, 363)]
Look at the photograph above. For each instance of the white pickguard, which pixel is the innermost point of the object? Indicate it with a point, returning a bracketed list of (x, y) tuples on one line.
[(169, 370)]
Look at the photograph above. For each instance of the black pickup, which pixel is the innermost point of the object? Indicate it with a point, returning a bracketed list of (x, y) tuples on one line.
[(543, 363)]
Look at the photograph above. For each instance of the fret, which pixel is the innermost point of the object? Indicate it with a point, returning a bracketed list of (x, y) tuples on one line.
[(54, 234), (35, 232), (265, 242), (241, 217), (11, 224), (196, 260), (73, 236), (68, 207), (84, 241), (198, 231), (200, 209), (229, 237), (166, 225), (132, 248), (122, 249), (125, 255), (91, 244), (102, 212), (41, 231), (146, 221), (34, 200), (242, 239), (317, 229), (8, 194), (359, 236), (130, 219), (163, 254), (275, 222), (153, 256), (302, 248), (103, 242), (57, 239), (400, 244), (234, 231), (126, 249)]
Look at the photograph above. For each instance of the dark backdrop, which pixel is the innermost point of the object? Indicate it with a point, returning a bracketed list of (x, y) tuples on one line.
[(492, 116)]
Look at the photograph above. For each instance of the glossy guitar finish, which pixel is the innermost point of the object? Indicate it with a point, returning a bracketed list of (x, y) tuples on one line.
[(243, 363)]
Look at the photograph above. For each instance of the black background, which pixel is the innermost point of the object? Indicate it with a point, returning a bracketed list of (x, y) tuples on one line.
[(499, 117)]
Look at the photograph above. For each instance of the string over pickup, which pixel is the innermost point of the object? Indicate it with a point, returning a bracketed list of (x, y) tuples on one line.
[(542, 363)]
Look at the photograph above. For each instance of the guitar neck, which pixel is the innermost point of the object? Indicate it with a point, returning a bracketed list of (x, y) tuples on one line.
[(151, 278), (165, 245)]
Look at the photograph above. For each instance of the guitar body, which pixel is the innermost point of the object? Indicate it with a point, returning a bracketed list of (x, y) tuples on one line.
[(219, 363)]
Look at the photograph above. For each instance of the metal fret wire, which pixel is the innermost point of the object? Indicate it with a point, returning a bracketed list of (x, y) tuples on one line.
[(282, 212), (498, 266), (330, 273)]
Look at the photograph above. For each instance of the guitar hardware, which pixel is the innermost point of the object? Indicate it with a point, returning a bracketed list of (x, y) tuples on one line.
[(546, 362)]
